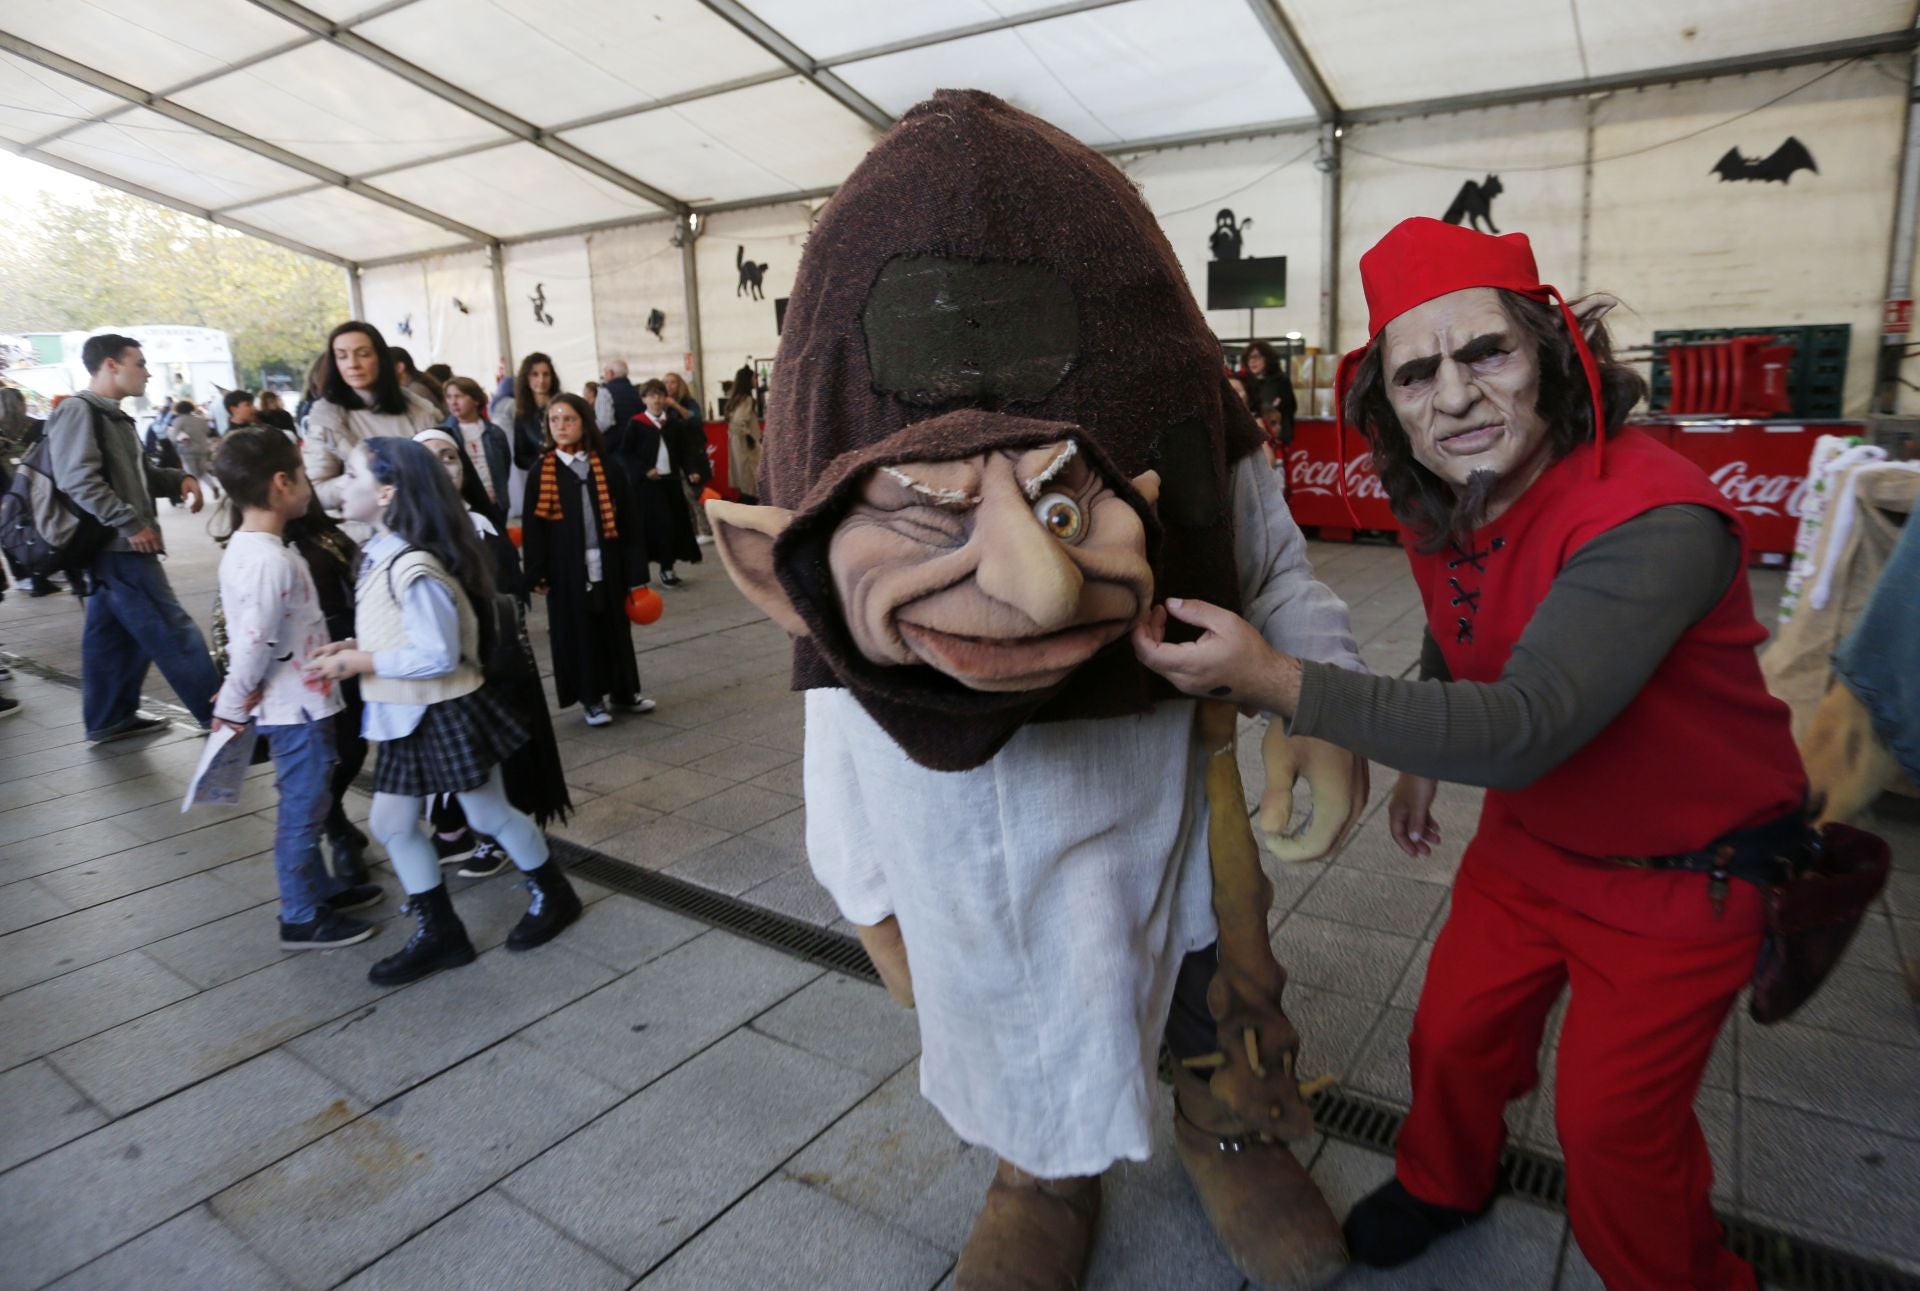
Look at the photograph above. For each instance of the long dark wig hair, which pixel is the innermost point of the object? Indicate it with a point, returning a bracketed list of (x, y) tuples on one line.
[(387, 395), (523, 404), (1426, 504), (429, 516)]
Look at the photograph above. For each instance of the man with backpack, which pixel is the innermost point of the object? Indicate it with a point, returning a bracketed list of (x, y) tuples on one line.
[(133, 617)]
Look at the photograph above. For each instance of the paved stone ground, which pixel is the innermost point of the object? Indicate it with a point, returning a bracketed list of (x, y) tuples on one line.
[(649, 1101)]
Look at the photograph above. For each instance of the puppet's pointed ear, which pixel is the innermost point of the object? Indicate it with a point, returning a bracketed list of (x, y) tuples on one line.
[(744, 537), (1147, 485), (1589, 310)]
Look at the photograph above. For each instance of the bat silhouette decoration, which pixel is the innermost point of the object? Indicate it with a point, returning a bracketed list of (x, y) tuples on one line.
[(461, 305), (1779, 166), (656, 321)]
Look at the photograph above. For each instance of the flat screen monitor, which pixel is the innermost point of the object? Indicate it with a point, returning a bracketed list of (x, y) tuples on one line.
[(1247, 284)]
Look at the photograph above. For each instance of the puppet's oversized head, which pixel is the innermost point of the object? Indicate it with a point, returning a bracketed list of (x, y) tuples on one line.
[(999, 428)]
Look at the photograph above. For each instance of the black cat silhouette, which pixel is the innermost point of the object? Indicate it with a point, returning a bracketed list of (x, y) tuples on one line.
[(539, 299), (1474, 204), (750, 276), (656, 322)]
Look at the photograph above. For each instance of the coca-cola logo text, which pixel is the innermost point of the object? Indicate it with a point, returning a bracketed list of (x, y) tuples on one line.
[(1766, 495), (1308, 475)]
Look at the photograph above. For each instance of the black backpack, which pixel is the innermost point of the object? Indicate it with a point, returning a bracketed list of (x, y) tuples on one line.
[(42, 530)]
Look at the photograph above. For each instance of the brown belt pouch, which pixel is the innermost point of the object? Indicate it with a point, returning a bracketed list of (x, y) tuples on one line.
[(1811, 918)]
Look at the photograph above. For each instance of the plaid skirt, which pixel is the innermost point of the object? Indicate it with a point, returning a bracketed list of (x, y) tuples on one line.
[(455, 748)]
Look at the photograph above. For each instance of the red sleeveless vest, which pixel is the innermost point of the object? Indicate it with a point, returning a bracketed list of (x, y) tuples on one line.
[(1701, 750)]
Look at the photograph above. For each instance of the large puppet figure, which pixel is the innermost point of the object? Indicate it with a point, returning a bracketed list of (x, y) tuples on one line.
[(1000, 432)]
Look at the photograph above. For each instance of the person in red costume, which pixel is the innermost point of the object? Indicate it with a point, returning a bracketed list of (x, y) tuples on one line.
[(1590, 659)]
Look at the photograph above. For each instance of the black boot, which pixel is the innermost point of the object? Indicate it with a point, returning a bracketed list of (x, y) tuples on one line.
[(1390, 1226), (439, 941), (554, 905)]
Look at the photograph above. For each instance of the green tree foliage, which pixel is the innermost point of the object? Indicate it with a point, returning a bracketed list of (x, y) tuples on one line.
[(73, 265)]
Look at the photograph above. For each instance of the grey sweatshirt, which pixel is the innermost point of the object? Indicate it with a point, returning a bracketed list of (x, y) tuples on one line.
[(107, 476), (1611, 615)]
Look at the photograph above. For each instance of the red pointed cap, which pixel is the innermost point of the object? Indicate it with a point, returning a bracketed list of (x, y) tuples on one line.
[(1423, 259)]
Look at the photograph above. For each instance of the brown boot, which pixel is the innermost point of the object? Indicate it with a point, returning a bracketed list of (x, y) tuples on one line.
[(1031, 1234), (1266, 1209)]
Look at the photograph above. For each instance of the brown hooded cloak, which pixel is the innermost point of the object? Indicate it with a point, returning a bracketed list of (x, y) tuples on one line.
[(983, 280)]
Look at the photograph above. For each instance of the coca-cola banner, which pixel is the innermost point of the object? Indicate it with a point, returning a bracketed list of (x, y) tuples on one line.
[(1760, 466), (1330, 489)]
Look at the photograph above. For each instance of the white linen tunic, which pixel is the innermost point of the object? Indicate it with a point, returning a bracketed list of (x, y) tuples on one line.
[(1048, 896)]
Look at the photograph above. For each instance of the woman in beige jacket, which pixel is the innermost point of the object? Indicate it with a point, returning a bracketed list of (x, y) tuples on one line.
[(743, 437), (360, 397)]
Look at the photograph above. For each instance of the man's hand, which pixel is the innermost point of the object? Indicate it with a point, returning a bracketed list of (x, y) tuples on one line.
[(1410, 815), (147, 542), (1229, 661), (222, 724), (190, 490)]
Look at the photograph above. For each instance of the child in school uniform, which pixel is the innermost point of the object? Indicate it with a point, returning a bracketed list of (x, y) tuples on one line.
[(536, 782), (424, 585), (275, 627), (583, 550)]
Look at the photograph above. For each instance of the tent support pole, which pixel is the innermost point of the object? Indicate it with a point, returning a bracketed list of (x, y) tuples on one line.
[(1329, 166), (690, 282), (356, 298), (1893, 345), (497, 261)]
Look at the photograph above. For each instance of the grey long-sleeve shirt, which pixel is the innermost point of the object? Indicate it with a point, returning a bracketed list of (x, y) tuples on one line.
[(107, 475), (1611, 615)]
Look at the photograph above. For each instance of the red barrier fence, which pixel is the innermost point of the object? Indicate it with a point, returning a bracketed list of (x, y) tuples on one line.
[(1761, 466)]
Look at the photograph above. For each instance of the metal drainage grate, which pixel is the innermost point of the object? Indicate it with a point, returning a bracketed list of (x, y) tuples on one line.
[(835, 950), (1783, 1261)]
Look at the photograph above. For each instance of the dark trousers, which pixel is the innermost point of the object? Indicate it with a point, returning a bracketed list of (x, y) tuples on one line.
[(134, 620), (1190, 1028)]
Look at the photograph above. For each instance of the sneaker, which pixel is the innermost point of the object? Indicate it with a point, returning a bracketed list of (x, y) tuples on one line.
[(357, 897), (705, 539), (669, 578), (8, 707), (323, 932), (489, 858), (640, 705), (596, 715), (44, 587), (6, 673), (138, 724), (452, 851)]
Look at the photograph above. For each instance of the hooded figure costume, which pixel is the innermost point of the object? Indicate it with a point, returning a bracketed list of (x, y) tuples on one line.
[(984, 284)]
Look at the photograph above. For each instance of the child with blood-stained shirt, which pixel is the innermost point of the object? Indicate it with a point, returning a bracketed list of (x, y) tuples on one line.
[(274, 626)]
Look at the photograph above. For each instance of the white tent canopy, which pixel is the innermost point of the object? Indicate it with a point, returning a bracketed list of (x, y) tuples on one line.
[(365, 132)]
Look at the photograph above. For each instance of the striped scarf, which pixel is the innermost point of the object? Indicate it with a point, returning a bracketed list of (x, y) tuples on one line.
[(547, 505)]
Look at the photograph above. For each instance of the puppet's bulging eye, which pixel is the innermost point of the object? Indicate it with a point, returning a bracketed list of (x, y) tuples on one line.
[(1062, 516)]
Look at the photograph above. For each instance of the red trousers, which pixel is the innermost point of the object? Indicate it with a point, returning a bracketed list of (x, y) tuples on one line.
[(1639, 1028)]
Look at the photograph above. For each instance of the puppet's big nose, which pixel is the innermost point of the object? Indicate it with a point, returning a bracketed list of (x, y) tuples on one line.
[(1021, 564)]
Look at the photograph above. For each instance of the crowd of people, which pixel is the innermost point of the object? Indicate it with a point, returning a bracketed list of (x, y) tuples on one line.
[(381, 544)]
